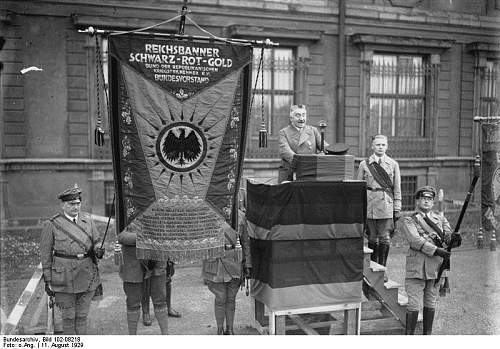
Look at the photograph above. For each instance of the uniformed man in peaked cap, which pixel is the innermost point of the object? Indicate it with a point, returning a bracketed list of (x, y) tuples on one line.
[(428, 234), (69, 250)]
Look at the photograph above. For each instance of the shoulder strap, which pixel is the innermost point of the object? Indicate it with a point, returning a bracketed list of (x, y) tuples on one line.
[(380, 175), (434, 226), (59, 225), (428, 229)]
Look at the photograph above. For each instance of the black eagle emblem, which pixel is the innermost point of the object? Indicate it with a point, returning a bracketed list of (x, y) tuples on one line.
[(182, 148)]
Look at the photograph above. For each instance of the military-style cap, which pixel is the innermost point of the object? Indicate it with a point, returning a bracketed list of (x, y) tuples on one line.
[(337, 149), (426, 191), (69, 194)]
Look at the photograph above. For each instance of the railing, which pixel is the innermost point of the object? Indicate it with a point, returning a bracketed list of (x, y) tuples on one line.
[(10, 326), (410, 147)]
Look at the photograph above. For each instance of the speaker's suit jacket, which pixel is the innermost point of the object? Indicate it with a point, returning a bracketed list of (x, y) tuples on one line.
[(292, 141)]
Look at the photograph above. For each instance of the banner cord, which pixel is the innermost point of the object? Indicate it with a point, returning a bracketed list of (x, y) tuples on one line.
[(213, 35), (148, 27)]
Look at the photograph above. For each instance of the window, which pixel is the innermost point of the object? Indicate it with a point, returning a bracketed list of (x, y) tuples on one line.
[(397, 95), (408, 188), (275, 86), (401, 98), (488, 99), (109, 194)]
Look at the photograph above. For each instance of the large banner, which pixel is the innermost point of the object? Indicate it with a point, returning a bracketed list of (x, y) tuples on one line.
[(179, 119), (306, 242), (490, 176)]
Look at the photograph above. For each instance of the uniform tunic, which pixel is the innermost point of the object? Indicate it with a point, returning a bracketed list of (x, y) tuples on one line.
[(132, 269), (228, 267), (64, 274), (380, 205), (420, 260)]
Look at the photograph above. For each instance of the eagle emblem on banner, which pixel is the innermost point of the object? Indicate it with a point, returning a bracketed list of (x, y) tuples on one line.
[(181, 146)]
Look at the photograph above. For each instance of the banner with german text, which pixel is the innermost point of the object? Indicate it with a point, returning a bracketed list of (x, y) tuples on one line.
[(179, 119)]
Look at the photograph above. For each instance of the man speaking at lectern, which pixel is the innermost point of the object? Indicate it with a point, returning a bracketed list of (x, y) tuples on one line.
[(297, 138)]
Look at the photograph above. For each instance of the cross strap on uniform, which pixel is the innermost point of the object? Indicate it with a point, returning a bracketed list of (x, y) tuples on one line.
[(381, 177), (430, 229)]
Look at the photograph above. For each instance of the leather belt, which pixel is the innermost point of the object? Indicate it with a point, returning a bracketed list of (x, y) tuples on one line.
[(229, 247), (70, 256), (375, 189)]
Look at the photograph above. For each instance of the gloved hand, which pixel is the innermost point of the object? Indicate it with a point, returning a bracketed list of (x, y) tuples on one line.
[(455, 240), (248, 273), (396, 215), (99, 252), (441, 252), (48, 290)]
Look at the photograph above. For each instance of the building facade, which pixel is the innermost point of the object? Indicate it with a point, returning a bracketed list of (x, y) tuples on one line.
[(415, 70)]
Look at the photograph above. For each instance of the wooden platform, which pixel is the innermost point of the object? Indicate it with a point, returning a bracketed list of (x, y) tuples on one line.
[(382, 311)]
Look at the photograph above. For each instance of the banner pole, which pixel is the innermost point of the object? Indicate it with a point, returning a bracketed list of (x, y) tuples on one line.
[(266, 42), (183, 18)]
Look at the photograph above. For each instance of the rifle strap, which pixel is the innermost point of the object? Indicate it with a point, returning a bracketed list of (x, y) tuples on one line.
[(380, 176), (428, 230), (59, 226)]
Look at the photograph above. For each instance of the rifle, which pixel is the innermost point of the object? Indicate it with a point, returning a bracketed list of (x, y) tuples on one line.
[(446, 262)]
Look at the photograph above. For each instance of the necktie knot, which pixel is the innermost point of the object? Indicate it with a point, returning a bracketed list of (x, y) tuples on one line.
[(380, 161)]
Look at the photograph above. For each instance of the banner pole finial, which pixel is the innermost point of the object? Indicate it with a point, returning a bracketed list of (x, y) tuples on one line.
[(183, 18)]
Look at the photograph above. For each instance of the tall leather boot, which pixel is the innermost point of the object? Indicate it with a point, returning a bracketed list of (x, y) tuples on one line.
[(428, 320), (171, 311), (411, 321), (132, 320), (374, 246), (161, 315), (383, 253)]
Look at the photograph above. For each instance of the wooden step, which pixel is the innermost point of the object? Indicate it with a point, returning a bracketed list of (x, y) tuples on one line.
[(390, 284), (402, 299), (371, 326), (375, 267)]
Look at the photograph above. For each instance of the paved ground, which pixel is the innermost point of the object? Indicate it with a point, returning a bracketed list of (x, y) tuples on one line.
[(190, 297), (473, 307)]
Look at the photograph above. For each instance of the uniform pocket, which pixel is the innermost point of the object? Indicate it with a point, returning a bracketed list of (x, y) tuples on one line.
[(58, 275), (412, 265), (211, 266)]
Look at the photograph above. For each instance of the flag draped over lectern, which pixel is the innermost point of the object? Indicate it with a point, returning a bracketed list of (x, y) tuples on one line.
[(179, 118), (306, 242)]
